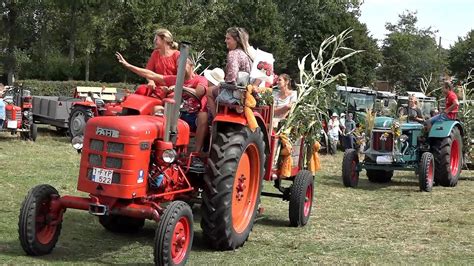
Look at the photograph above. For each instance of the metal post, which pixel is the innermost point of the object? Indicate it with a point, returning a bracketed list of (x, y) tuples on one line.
[(172, 116)]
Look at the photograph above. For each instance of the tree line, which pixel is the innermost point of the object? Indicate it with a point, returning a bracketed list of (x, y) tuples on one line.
[(76, 40)]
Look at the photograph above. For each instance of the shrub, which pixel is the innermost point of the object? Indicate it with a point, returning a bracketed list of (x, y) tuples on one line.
[(66, 88)]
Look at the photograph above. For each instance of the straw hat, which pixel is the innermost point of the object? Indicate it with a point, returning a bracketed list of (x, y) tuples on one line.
[(214, 76), (334, 114)]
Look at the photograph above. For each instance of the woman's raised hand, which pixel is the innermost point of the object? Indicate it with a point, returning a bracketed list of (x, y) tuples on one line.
[(121, 59)]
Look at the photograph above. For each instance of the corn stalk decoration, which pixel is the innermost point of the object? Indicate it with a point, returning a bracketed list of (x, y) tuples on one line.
[(466, 115), (426, 86), (316, 89), (197, 58)]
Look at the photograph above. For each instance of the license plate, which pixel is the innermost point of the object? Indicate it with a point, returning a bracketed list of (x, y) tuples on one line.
[(385, 159), (103, 176)]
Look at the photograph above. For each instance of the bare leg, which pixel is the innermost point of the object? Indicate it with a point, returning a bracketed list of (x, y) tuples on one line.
[(211, 101), (201, 130)]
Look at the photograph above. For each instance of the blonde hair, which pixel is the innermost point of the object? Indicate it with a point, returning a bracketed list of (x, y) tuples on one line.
[(241, 36), (166, 36)]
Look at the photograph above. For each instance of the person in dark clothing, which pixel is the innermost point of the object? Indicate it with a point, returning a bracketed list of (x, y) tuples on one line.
[(414, 112), (349, 128)]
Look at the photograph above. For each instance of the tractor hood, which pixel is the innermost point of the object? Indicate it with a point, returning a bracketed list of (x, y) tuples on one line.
[(385, 122), (134, 127)]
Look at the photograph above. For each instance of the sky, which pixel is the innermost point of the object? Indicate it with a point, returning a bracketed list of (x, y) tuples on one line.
[(451, 18)]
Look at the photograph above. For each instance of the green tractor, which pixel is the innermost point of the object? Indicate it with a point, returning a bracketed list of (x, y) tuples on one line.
[(435, 158)]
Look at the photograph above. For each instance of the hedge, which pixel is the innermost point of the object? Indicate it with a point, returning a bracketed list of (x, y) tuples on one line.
[(66, 88)]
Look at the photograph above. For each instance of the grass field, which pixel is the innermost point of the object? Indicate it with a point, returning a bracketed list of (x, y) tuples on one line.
[(390, 223)]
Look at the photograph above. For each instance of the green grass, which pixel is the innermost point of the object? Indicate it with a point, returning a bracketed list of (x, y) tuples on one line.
[(390, 223)]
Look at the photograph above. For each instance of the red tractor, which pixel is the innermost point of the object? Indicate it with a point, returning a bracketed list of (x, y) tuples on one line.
[(103, 102), (136, 166), (19, 116)]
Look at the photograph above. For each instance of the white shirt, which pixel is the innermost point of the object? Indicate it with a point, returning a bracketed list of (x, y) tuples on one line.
[(333, 127), (278, 102)]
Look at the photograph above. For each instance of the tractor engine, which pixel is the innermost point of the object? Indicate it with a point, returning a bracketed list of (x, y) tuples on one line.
[(13, 113), (120, 153)]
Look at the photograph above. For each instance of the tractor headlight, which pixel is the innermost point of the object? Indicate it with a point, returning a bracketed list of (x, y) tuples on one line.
[(169, 156), (403, 138), (78, 142)]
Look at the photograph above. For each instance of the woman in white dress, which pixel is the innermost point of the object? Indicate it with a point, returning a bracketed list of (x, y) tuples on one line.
[(284, 99)]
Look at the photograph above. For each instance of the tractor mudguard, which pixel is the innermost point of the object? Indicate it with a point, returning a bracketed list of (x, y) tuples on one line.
[(87, 104), (443, 129), (234, 118)]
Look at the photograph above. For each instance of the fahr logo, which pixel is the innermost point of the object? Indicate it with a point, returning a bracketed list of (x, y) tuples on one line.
[(107, 132)]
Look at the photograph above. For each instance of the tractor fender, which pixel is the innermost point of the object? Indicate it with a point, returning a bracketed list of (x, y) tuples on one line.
[(86, 105), (443, 129), (233, 118)]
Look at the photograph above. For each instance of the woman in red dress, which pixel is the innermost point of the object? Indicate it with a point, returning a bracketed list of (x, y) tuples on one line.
[(163, 60)]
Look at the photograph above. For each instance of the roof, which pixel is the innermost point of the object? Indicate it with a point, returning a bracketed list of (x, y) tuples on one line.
[(107, 94), (366, 90)]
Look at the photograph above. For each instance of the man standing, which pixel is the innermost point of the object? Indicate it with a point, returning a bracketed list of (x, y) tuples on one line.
[(349, 128), (452, 107), (333, 132)]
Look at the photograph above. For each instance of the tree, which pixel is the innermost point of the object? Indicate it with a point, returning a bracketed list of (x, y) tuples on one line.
[(409, 53), (461, 56)]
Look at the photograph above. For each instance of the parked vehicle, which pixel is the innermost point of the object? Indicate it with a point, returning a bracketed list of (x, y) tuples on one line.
[(435, 158), (18, 109), (425, 103), (137, 166), (70, 114)]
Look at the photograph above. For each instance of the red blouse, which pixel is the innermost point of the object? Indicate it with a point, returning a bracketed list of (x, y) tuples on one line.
[(164, 65)]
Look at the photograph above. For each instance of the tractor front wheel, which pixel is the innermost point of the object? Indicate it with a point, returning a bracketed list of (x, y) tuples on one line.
[(232, 186), (301, 198), (121, 224), (350, 174), (78, 119), (174, 236), (447, 154), (38, 228), (426, 173)]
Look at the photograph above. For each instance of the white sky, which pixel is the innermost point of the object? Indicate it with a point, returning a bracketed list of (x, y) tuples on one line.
[(452, 18)]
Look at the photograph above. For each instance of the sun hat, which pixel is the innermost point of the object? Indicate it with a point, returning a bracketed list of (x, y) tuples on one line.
[(343, 114), (215, 76), (334, 114)]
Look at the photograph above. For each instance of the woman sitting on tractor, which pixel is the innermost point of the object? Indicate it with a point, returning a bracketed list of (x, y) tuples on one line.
[(196, 84), (238, 60), (414, 112), (163, 61)]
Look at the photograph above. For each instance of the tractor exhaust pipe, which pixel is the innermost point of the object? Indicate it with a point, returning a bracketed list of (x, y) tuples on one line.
[(172, 109)]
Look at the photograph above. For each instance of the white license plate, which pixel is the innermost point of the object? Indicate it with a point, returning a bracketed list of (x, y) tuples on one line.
[(103, 176), (385, 159)]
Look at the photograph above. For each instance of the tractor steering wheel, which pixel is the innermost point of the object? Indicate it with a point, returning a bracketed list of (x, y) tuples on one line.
[(191, 102)]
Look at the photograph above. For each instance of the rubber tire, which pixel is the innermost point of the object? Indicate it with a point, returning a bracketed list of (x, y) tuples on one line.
[(348, 178), (379, 176), (442, 155), (33, 132), (303, 180), (121, 224), (426, 181), (225, 153), (162, 243), (27, 222), (87, 114)]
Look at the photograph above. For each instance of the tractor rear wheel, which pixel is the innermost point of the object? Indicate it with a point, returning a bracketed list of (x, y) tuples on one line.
[(174, 235), (447, 154), (232, 186), (426, 173), (350, 175), (379, 176), (301, 198), (37, 228), (78, 119), (121, 224)]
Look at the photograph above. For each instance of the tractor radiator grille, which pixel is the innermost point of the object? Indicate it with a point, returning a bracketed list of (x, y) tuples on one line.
[(382, 141), (112, 147), (9, 115), (115, 147), (96, 145), (95, 160), (112, 162)]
